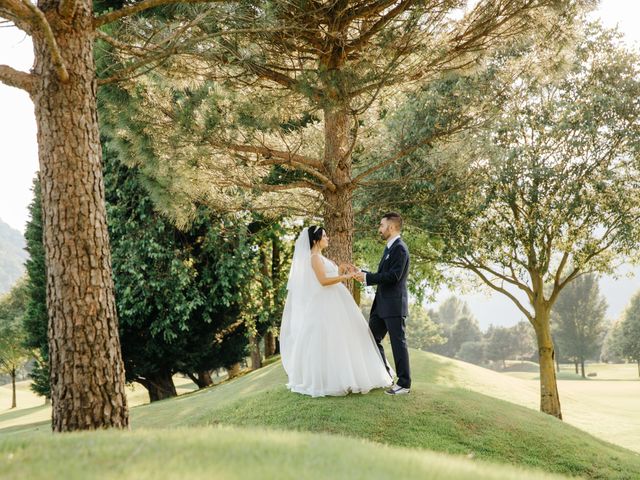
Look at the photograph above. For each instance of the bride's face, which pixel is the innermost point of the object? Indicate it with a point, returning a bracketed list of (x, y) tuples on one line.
[(324, 241)]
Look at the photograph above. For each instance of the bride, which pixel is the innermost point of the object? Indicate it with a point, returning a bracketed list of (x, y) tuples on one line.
[(325, 342)]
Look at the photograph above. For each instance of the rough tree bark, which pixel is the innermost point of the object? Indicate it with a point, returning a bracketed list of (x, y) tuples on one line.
[(87, 372), (338, 207), (549, 398)]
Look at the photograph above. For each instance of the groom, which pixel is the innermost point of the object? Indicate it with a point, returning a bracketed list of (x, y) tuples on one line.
[(390, 305)]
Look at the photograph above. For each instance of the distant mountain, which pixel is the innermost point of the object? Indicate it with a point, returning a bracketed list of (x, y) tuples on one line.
[(12, 256)]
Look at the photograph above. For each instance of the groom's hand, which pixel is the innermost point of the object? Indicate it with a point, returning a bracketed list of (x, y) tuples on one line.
[(360, 276)]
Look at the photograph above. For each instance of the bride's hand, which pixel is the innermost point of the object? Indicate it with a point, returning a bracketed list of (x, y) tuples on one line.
[(346, 268)]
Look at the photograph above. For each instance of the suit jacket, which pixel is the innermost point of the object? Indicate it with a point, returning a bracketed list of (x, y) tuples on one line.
[(392, 298)]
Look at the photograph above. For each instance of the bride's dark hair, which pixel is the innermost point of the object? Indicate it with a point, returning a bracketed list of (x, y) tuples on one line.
[(315, 234)]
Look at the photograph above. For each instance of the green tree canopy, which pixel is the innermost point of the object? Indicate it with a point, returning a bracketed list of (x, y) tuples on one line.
[(550, 184)]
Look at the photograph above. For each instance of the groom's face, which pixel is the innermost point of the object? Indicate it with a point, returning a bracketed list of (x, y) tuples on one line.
[(385, 229)]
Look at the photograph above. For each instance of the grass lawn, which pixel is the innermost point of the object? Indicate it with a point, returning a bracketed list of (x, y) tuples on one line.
[(605, 405), (229, 454), (454, 408), (32, 409)]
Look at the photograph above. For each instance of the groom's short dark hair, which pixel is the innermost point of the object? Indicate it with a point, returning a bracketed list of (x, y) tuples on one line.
[(394, 218)]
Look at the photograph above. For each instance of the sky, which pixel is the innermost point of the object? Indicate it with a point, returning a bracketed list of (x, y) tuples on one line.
[(19, 162)]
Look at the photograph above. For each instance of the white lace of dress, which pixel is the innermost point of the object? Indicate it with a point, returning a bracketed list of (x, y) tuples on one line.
[(334, 352)]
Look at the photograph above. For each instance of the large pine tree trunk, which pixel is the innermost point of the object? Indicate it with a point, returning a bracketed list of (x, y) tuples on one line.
[(549, 398), (338, 208), (582, 367), (87, 372)]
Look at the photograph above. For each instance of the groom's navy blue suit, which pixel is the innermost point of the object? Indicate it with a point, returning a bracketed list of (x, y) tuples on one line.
[(391, 306)]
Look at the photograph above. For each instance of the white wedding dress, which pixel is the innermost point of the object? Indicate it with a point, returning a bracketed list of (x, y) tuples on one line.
[(325, 341)]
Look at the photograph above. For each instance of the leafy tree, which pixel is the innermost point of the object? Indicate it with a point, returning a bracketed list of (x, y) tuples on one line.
[(631, 331), (13, 353), (525, 340), (36, 319), (612, 345), (450, 311), (550, 185), (466, 329), (421, 331), (179, 293), (292, 94), (457, 326), (501, 344), (473, 352), (578, 320)]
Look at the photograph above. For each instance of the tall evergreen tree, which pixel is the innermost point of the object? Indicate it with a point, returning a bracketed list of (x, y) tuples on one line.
[(178, 292), (36, 319)]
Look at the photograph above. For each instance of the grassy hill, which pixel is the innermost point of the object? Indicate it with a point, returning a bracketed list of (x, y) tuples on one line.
[(230, 454), (439, 416)]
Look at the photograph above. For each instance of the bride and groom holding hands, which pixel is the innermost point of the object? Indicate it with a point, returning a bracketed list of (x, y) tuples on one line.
[(327, 346)]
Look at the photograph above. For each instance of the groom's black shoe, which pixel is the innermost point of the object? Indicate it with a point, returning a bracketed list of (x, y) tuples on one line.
[(397, 390)]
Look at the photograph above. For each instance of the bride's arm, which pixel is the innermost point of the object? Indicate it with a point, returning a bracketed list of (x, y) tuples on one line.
[(318, 268)]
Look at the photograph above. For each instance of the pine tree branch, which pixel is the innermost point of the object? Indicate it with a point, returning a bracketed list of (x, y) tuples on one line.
[(15, 78), (363, 39), (269, 153), (296, 161), (408, 150), (137, 8), (265, 187), (54, 50), (367, 10)]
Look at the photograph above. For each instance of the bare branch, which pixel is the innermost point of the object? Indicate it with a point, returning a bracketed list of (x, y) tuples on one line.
[(15, 78), (495, 287)]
